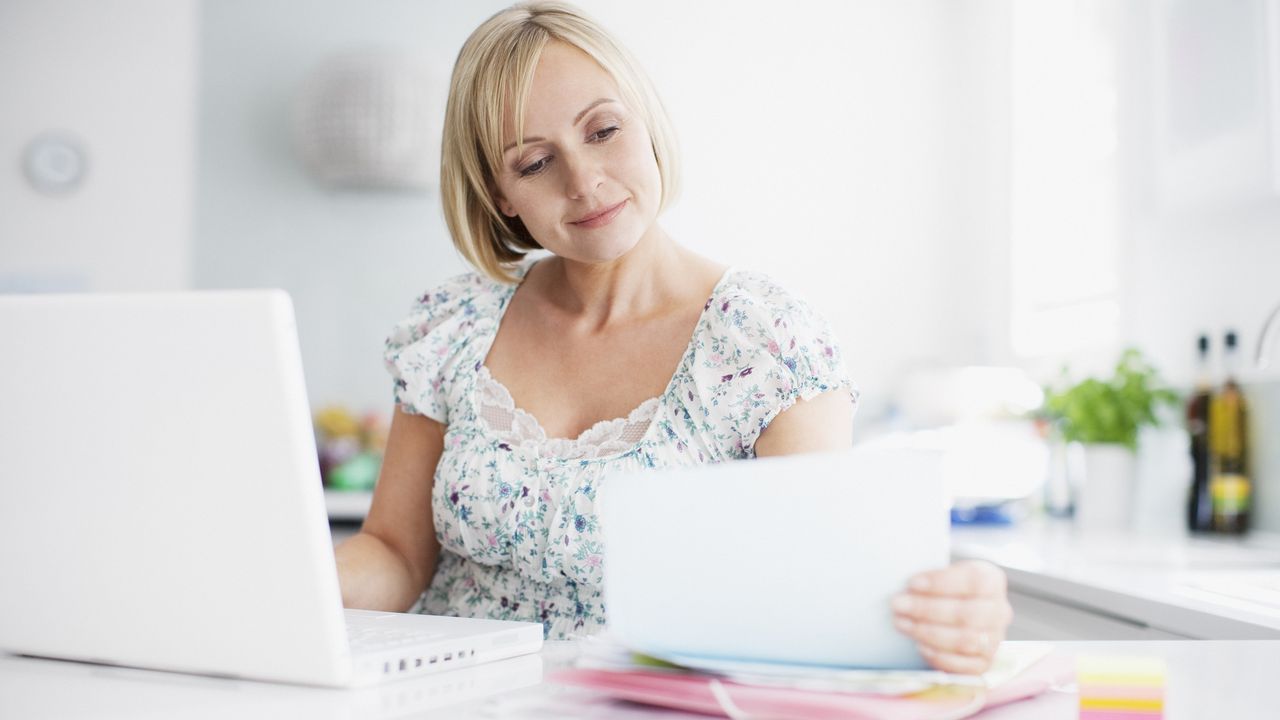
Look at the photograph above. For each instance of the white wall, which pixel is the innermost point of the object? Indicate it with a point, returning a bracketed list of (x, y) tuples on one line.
[(353, 261), (120, 77), (1201, 108)]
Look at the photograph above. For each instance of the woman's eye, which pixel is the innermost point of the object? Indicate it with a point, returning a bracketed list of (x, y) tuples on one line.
[(534, 168), (605, 134)]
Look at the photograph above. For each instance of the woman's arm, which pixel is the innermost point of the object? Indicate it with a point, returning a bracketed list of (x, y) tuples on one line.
[(388, 564), (957, 615), (823, 423)]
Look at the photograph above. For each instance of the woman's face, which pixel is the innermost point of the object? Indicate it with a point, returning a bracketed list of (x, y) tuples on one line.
[(586, 183)]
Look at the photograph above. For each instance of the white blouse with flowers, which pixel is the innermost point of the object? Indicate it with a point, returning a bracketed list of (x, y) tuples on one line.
[(515, 510)]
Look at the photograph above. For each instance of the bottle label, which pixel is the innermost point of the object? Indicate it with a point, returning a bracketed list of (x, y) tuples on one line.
[(1230, 493)]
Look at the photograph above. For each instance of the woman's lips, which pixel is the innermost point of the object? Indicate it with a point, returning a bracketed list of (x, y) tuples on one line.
[(604, 217)]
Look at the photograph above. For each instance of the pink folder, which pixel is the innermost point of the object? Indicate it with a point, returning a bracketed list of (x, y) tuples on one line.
[(703, 694)]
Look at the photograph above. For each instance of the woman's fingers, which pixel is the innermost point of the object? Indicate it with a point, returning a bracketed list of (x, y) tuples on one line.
[(967, 578), (957, 615), (953, 663), (985, 612), (950, 639)]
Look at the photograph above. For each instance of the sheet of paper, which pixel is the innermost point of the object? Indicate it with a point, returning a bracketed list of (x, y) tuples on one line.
[(783, 560), (605, 653)]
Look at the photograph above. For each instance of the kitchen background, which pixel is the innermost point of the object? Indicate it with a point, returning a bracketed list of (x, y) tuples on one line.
[(954, 183)]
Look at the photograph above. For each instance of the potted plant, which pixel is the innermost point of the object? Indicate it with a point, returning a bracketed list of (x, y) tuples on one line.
[(1104, 416)]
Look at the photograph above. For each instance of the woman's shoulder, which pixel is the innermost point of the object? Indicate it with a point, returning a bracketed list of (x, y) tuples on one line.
[(426, 347), (467, 289), (760, 321), (763, 349), (757, 296), (461, 298)]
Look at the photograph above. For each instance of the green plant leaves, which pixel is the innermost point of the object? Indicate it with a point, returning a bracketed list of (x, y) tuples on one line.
[(1112, 410)]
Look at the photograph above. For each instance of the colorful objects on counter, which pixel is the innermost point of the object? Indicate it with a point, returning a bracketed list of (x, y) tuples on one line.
[(1120, 688), (336, 422), (994, 514), (350, 449), (358, 473)]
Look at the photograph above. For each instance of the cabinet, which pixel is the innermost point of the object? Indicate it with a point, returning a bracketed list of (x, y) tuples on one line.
[(1039, 618)]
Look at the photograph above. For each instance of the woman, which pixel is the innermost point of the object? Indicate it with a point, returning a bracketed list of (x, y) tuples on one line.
[(518, 387)]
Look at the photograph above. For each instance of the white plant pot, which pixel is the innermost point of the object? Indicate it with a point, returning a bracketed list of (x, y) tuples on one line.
[(1104, 495)]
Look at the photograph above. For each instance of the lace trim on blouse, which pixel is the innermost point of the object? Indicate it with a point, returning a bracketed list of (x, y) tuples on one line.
[(521, 430)]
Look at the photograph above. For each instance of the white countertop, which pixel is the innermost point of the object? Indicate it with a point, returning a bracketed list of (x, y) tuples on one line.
[(1228, 679), (347, 505), (1193, 586)]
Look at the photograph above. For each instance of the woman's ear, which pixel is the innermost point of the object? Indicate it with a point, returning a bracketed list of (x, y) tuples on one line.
[(504, 207)]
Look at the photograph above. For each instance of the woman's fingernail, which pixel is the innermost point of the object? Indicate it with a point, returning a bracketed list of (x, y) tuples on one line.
[(903, 624), (919, 582), (901, 603)]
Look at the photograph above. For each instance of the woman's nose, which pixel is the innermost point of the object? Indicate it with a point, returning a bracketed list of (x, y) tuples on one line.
[(584, 177)]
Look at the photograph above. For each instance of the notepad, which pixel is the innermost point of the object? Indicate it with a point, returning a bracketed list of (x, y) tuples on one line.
[(1114, 687)]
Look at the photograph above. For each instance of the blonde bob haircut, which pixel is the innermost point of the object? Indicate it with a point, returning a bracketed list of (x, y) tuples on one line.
[(496, 65)]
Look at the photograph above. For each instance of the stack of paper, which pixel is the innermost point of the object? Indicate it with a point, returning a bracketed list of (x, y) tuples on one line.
[(749, 689)]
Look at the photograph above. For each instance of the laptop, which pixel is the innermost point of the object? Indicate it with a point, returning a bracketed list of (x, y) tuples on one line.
[(788, 560), (161, 504)]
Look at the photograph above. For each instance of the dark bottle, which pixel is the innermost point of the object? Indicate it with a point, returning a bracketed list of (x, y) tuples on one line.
[(1229, 486), (1199, 503)]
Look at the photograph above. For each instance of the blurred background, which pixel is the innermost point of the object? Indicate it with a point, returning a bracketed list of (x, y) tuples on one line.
[(977, 193)]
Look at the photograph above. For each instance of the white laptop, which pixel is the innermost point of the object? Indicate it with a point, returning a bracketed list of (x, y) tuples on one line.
[(161, 504), (788, 560)]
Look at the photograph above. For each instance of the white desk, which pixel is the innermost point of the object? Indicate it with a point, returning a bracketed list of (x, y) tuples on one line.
[(1206, 679)]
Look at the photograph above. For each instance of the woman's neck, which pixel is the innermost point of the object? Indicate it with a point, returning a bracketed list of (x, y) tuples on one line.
[(647, 280)]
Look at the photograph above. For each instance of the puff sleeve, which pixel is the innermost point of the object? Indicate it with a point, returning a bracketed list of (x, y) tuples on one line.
[(424, 351), (780, 351)]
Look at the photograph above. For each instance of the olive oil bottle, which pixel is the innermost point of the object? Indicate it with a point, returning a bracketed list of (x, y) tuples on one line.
[(1229, 488), (1199, 502)]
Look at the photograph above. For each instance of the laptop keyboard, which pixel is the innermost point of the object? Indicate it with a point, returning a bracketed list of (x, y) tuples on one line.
[(365, 638), (365, 633)]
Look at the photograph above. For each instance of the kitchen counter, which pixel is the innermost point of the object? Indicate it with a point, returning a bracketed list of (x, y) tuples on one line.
[(1069, 584)]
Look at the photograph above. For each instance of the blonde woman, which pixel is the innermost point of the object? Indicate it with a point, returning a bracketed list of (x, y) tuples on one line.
[(518, 386)]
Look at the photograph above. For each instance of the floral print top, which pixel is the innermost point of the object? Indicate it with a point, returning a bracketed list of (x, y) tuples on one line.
[(514, 510)]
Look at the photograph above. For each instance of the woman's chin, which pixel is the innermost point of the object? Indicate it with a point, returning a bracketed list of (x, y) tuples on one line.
[(601, 253)]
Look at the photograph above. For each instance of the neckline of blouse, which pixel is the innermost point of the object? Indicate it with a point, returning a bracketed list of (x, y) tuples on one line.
[(685, 359)]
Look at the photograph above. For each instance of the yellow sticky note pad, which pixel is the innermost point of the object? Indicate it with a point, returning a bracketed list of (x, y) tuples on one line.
[(1116, 670), (1116, 686)]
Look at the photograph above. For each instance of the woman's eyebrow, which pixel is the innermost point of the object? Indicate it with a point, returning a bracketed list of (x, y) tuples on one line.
[(577, 119)]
